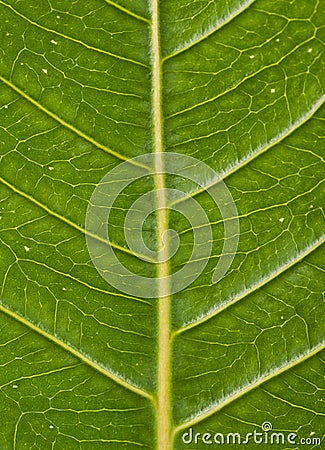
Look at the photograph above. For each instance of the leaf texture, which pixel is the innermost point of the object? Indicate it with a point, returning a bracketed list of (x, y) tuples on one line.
[(237, 84)]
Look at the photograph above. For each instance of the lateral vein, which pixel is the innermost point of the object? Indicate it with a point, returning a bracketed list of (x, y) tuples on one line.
[(127, 11), (113, 55), (245, 390), (68, 125), (70, 223), (254, 288), (85, 359), (212, 30), (254, 155)]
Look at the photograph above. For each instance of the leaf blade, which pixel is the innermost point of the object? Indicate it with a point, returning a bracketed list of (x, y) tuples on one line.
[(78, 85)]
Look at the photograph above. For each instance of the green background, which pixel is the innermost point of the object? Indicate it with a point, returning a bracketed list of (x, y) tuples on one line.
[(243, 88)]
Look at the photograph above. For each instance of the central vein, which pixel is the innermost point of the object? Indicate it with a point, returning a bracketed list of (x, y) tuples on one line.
[(164, 349)]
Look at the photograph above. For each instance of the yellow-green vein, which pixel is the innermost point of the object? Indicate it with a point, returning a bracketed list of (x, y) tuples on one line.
[(72, 224), (246, 389), (84, 358), (164, 349), (68, 125)]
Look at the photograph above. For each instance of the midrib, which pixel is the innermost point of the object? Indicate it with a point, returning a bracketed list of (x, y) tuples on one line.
[(164, 350)]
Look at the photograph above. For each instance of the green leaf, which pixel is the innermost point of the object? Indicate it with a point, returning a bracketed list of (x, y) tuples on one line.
[(238, 85)]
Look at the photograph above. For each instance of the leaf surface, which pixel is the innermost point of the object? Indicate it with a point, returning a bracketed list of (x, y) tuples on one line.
[(237, 84)]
